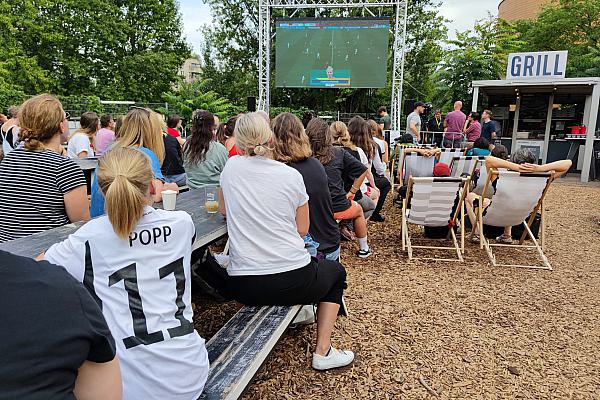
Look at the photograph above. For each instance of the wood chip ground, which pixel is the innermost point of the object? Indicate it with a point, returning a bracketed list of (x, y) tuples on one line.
[(454, 331)]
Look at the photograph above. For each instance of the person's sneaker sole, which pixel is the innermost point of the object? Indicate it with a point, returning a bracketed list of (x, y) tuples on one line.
[(367, 254)]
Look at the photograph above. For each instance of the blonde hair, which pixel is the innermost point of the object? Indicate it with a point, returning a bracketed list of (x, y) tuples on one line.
[(340, 135), (142, 127), (124, 176), (252, 134), (291, 142), (40, 118)]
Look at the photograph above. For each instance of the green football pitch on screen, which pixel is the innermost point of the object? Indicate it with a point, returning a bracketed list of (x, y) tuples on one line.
[(331, 53)]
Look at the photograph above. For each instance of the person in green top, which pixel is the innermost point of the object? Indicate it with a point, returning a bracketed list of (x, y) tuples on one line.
[(385, 122), (203, 157)]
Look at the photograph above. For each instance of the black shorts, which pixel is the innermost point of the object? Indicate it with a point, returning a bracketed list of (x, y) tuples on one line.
[(322, 281)]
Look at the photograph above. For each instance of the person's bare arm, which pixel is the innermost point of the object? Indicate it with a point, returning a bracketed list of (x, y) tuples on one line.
[(77, 204), (181, 141), (413, 127), (356, 185), (302, 219), (493, 162), (386, 153), (381, 126), (99, 381), (371, 178), (222, 208), (559, 167)]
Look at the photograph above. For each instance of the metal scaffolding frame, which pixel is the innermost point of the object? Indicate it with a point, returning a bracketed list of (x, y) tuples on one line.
[(398, 46)]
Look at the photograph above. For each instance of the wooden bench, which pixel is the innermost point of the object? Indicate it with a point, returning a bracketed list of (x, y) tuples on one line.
[(238, 350)]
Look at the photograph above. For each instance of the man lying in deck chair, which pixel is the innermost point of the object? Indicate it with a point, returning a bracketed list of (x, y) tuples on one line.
[(434, 202), (521, 196)]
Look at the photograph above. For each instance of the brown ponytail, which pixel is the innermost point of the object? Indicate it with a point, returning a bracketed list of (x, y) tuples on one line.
[(124, 176)]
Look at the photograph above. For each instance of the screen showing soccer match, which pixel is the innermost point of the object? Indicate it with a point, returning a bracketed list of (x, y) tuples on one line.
[(331, 53)]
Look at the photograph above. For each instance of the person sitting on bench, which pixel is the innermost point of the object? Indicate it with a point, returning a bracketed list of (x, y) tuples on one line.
[(135, 262), (266, 206), (54, 341), (523, 161), (292, 147)]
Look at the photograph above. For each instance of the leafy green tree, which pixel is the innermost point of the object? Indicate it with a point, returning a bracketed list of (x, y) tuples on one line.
[(191, 96), (572, 25), (477, 54), (127, 49)]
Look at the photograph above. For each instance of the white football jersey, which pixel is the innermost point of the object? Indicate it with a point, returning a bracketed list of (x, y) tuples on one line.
[(144, 287)]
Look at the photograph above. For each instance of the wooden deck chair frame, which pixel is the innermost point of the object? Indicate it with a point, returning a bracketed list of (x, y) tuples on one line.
[(538, 246), (472, 171), (460, 208)]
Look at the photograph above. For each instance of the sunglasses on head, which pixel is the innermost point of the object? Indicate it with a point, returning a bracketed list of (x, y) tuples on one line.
[(139, 108)]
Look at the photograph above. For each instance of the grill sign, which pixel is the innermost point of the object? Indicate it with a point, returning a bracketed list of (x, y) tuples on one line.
[(541, 65)]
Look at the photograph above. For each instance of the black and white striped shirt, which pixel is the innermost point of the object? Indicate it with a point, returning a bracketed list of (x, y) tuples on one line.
[(32, 189)]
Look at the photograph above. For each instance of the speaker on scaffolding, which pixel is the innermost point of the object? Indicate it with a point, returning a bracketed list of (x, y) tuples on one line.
[(409, 106), (251, 103)]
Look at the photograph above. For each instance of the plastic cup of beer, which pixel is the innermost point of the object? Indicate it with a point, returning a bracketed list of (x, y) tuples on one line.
[(211, 202), (169, 198)]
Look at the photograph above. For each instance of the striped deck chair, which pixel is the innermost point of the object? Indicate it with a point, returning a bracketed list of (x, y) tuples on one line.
[(398, 161), (432, 204), (416, 165), (464, 165), (516, 200), (447, 154)]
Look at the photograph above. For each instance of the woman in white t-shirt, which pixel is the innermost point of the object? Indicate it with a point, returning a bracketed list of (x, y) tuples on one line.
[(266, 206), (81, 142), (135, 261)]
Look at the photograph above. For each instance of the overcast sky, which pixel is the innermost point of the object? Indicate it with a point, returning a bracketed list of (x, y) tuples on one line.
[(463, 14)]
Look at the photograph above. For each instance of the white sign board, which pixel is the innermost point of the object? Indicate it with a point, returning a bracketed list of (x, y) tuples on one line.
[(540, 65), (535, 146)]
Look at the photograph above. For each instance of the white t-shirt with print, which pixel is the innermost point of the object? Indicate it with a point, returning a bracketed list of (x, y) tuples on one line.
[(78, 143), (144, 286), (261, 199), (365, 160), (378, 164)]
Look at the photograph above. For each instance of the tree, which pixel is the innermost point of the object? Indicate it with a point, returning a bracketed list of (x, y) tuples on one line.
[(111, 48), (192, 96), (476, 54), (572, 25)]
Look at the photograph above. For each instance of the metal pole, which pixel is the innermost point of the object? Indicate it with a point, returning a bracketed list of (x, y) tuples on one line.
[(475, 98), (547, 133), (513, 146), (591, 134)]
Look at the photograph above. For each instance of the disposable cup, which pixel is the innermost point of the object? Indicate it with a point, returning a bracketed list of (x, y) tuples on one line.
[(169, 198)]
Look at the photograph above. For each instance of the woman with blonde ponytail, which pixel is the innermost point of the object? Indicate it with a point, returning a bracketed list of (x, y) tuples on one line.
[(267, 217), (40, 189), (135, 261)]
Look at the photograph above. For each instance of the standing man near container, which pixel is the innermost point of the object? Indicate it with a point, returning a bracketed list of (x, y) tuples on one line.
[(413, 122), (385, 121), (454, 125), (489, 128)]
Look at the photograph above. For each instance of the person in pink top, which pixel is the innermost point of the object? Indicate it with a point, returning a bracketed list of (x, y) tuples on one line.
[(106, 135), (472, 127), (454, 125)]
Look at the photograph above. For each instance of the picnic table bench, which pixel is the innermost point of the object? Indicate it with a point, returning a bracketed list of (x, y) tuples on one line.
[(239, 348)]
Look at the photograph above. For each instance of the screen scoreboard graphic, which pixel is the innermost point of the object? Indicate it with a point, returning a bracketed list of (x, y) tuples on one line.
[(332, 53)]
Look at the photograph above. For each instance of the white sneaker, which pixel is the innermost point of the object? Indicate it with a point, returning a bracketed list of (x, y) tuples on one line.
[(335, 359), (306, 316)]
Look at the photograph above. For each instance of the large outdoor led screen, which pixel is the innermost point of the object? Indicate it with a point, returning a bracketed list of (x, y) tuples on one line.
[(332, 53)]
